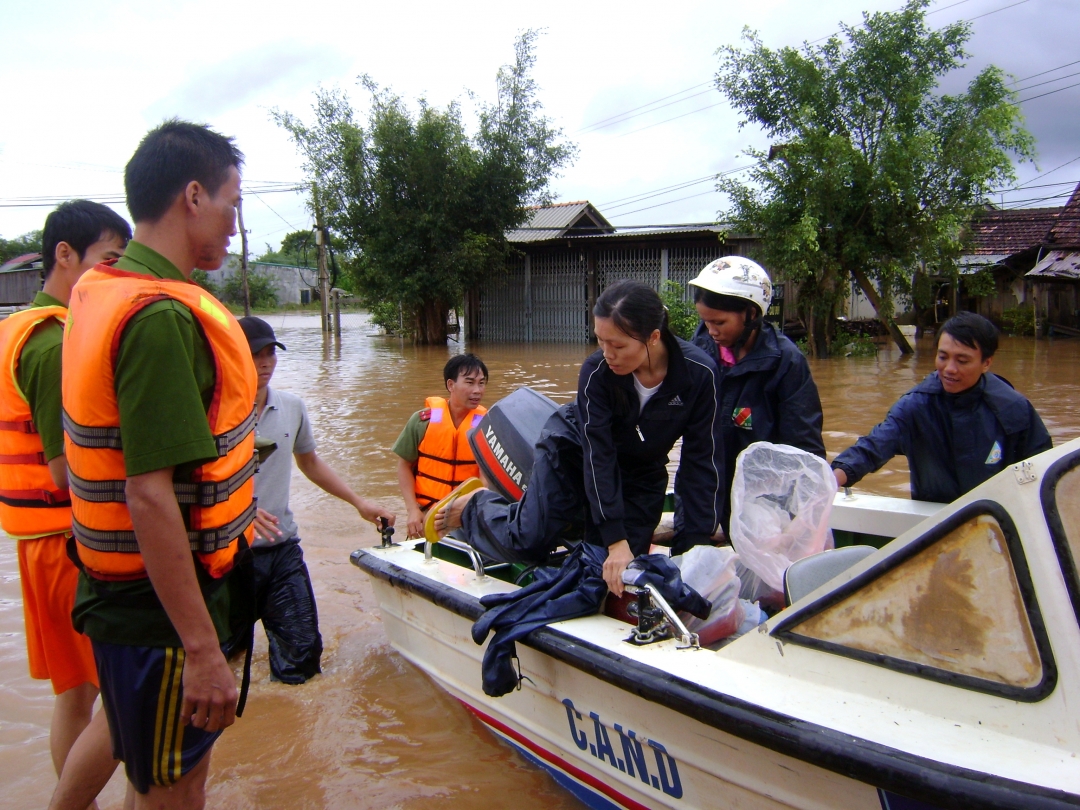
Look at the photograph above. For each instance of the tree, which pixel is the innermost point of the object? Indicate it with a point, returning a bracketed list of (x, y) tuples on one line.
[(20, 245), (872, 169), (421, 204)]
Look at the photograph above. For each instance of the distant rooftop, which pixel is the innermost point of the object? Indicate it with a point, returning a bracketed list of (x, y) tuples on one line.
[(1005, 231), (561, 219), (1066, 230)]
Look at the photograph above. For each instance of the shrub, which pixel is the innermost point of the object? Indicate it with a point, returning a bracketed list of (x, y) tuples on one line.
[(1019, 320), (261, 290), (682, 317)]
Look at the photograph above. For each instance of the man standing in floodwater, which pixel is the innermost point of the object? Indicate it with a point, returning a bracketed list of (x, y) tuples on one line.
[(158, 396), (34, 506), (433, 450), (959, 427), (284, 599)]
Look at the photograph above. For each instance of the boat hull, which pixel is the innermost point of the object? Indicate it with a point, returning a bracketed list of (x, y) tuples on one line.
[(610, 747)]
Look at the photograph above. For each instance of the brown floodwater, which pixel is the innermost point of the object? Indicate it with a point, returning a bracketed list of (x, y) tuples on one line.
[(372, 731)]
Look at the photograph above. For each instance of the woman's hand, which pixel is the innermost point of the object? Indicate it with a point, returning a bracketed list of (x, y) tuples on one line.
[(619, 556)]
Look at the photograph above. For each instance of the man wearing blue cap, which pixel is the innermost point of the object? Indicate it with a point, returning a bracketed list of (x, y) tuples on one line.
[(284, 598)]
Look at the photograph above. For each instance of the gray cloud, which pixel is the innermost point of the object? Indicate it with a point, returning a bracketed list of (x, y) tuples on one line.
[(246, 77)]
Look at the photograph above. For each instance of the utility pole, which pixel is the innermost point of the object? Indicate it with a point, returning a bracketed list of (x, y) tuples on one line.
[(320, 245), (243, 257)]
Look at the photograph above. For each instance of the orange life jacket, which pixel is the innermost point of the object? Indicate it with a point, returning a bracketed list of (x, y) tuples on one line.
[(219, 497), (31, 505), (445, 457)]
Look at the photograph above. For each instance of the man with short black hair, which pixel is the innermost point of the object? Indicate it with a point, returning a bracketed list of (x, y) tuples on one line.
[(958, 427), (34, 505), (284, 599), (158, 395), (433, 450)]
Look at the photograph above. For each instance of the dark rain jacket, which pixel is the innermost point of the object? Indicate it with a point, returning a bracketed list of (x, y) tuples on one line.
[(768, 396), (625, 454), (953, 442)]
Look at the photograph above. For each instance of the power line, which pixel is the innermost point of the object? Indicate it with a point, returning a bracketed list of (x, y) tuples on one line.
[(1036, 177), (626, 116), (674, 187), (1044, 95), (1043, 73), (669, 202), (1048, 81), (669, 120)]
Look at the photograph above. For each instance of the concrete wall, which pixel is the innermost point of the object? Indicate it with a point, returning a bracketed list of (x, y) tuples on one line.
[(290, 282)]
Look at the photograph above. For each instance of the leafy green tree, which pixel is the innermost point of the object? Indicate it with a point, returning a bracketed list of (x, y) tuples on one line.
[(421, 204), (872, 168), (27, 243)]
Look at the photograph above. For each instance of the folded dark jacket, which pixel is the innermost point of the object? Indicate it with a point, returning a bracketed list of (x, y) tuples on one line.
[(659, 571)]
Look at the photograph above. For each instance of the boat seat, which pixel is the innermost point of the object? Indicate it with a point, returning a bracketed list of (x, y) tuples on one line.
[(810, 573)]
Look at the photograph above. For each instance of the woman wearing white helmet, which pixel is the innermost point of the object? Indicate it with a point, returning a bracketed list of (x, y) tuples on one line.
[(765, 392)]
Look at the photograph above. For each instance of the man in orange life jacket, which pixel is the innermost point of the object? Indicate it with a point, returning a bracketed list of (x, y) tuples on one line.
[(433, 451), (158, 395), (34, 505)]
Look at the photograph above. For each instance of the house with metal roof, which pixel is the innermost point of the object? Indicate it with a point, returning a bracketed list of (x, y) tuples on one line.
[(567, 254), (20, 280)]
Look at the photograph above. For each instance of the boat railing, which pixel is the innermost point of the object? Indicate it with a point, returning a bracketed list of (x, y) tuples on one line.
[(652, 610), (457, 545)]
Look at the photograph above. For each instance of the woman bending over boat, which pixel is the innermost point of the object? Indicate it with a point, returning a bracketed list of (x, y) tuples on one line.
[(599, 469)]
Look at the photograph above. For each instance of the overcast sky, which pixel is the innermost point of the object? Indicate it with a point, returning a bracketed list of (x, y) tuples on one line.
[(81, 83)]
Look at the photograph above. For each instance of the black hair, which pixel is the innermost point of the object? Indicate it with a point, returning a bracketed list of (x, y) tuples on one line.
[(732, 303), (169, 158), (462, 364), (80, 223), (634, 307), (974, 331)]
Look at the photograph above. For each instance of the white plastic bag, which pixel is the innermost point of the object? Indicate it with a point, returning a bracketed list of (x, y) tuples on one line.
[(711, 572), (781, 500)]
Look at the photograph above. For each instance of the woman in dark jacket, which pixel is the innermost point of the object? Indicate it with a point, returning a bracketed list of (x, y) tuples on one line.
[(766, 393), (600, 466)]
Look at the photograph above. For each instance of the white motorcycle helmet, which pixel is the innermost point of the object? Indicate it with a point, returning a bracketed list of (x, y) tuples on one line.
[(737, 277)]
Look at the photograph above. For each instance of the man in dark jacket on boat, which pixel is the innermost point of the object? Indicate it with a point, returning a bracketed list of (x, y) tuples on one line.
[(959, 427)]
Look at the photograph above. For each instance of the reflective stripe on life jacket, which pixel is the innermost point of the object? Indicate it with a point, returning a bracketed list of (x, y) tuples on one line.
[(31, 505), (218, 499), (445, 457)]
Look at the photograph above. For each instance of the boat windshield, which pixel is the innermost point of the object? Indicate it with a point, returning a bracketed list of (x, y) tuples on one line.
[(1062, 506), (953, 609)]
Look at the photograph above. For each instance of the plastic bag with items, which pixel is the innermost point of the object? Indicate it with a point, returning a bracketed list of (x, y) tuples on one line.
[(781, 500), (711, 572)]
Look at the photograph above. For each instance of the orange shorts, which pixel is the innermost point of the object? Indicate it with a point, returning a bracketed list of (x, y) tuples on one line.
[(56, 651)]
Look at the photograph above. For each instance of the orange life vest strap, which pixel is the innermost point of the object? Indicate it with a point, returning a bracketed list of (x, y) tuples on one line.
[(202, 493), (22, 426), (202, 542), (33, 498), (23, 458), (96, 438)]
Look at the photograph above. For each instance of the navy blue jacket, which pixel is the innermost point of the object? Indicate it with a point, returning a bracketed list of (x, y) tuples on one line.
[(625, 454), (768, 396), (953, 442)]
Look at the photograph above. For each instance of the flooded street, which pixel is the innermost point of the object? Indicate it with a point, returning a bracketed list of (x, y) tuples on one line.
[(372, 731)]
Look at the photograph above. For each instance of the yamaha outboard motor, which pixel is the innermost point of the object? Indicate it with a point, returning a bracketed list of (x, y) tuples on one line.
[(503, 442)]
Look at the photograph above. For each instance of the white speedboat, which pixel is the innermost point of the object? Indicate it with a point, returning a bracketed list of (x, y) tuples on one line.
[(940, 671)]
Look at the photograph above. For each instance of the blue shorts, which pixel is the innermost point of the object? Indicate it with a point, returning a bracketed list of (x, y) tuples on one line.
[(141, 692)]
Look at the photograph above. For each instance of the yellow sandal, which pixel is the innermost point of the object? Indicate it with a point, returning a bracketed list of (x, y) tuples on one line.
[(465, 487)]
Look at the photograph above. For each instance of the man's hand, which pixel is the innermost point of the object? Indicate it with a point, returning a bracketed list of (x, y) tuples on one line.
[(266, 526), (209, 691), (619, 556), (841, 477), (416, 523), (371, 511)]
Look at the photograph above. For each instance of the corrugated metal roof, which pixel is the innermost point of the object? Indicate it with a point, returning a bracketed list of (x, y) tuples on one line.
[(28, 261), (674, 230), (553, 221), (1058, 264)]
